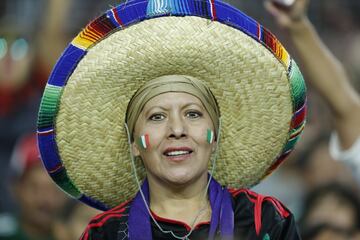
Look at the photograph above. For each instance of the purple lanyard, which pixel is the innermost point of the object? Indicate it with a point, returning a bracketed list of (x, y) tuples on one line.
[(222, 216)]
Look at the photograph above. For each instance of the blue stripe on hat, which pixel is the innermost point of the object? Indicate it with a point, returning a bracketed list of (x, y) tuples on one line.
[(49, 151), (132, 12), (229, 15), (93, 202), (66, 65)]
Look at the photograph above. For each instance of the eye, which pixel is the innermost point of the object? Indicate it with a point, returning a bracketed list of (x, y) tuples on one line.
[(157, 117), (193, 114)]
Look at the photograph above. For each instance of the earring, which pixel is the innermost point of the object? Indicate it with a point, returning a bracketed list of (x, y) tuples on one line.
[(210, 136), (144, 141)]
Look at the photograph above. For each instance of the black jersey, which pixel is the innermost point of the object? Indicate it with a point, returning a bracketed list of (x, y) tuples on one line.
[(255, 217)]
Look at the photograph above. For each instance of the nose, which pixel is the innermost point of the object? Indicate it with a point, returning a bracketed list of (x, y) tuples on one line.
[(177, 127)]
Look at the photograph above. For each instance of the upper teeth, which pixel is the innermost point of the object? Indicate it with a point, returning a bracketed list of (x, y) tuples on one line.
[(175, 153)]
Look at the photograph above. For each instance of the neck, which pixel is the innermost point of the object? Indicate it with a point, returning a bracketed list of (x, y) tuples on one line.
[(187, 202)]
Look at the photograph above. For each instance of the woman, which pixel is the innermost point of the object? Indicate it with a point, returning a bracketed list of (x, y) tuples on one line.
[(148, 98)]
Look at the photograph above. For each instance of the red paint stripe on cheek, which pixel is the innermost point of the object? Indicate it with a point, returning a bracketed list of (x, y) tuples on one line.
[(147, 140)]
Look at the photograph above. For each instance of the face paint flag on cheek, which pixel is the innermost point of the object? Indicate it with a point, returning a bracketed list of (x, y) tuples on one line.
[(144, 141), (210, 136)]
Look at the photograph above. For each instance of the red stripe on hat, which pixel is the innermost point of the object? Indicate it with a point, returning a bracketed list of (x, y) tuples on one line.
[(212, 5), (101, 26), (299, 117), (278, 162), (117, 17), (91, 30), (45, 133), (58, 167)]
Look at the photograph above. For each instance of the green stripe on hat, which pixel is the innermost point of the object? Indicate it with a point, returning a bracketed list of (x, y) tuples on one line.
[(298, 87), (291, 143), (49, 106), (62, 179)]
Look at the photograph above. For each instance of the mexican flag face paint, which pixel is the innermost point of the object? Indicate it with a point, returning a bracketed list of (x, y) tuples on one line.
[(210, 136), (144, 141)]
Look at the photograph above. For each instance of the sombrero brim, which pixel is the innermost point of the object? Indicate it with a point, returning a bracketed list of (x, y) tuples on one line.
[(259, 88)]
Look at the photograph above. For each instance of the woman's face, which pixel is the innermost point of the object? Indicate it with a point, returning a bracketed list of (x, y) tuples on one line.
[(177, 125)]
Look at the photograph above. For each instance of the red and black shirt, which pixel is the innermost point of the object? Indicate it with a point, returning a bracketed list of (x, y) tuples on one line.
[(255, 216)]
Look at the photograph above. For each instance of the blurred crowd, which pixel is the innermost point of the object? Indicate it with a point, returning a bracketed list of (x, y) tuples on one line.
[(322, 192)]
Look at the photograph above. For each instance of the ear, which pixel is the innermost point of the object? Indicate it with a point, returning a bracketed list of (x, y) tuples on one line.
[(135, 149)]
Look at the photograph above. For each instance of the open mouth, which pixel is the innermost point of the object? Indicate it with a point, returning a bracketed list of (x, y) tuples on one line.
[(177, 152)]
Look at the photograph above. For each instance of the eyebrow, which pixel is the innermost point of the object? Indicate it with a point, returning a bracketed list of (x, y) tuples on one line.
[(166, 109)]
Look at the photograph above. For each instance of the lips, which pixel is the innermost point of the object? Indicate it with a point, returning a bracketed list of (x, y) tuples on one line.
[(177, 151)]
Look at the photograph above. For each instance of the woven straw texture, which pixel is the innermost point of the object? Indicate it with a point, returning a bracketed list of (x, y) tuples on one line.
[(250, 84)]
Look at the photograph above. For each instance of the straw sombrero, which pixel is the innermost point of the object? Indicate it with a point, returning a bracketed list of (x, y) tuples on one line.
[(259, 88)]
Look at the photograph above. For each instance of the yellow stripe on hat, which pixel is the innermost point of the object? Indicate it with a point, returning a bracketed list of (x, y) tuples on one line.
[(82, 42), (285, 58), (85, 38), (282, 54)]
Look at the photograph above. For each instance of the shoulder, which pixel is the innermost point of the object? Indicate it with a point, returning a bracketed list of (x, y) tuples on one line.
[(252, 200), (109, 224), (265, 214)]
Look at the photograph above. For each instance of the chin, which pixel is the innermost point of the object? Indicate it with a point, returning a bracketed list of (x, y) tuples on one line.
[(182, 178)]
